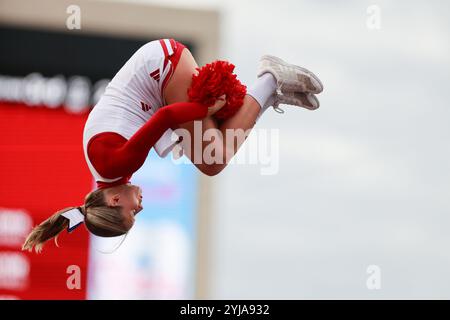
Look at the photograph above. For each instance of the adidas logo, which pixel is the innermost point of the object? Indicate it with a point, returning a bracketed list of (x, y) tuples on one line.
[(155, 75), (145, 106)]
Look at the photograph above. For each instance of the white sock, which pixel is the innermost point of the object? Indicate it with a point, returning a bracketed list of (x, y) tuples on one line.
[(264, 87), (269, 103)]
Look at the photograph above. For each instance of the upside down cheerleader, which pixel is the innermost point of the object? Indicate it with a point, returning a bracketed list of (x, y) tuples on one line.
[(158, 90)]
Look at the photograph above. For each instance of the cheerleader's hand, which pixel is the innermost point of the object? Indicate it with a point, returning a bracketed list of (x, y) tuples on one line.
[(220, 102)]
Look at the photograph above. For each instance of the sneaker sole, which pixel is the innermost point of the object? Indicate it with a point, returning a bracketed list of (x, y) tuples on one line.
[(312, 99)]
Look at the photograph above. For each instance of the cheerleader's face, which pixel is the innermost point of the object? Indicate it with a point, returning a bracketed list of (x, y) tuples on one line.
[(129, 197)]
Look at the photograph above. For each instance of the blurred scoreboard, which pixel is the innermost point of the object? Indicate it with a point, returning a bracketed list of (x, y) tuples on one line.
[(48, 82)]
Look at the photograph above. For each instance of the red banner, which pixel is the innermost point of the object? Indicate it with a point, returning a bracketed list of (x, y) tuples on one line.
[(43, 170)]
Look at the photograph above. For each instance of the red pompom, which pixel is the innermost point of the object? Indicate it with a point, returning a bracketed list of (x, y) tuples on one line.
[(214, 80)]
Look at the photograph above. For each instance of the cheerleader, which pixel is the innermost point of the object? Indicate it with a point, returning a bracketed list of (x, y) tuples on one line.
[(161, 89)]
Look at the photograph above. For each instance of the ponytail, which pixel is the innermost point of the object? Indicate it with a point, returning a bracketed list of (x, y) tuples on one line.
[(48, 229), (100, 219)]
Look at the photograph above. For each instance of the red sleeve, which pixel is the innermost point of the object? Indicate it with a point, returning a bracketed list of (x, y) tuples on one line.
[(114, 156)]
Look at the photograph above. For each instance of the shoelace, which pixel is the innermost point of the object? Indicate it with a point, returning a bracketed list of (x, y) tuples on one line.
[(278, 109), (277, 103)]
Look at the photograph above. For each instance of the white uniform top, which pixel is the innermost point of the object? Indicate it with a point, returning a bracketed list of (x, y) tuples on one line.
[(132, 97)]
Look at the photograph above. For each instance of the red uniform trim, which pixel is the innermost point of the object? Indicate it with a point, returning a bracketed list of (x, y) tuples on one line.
[(104, 185), (166, 53), (177, 48)]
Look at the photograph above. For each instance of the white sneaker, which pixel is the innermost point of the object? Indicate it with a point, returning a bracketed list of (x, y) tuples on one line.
[(301, 99), (289, 77)]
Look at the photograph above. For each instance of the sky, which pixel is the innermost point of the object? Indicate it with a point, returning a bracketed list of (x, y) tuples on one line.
[(362, 181)]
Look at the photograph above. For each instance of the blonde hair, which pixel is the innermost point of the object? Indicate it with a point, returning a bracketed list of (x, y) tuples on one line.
[(100, 219)]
